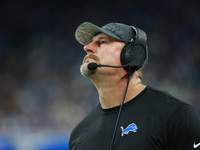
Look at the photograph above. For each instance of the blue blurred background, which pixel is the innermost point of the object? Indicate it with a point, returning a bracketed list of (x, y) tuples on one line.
[(42, 94)]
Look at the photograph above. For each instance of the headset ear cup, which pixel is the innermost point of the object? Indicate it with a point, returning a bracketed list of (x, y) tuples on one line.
[(133, 52), (123, 56), (127, 55)]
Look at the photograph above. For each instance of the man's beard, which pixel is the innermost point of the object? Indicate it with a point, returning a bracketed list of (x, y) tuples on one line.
[(84, 67)]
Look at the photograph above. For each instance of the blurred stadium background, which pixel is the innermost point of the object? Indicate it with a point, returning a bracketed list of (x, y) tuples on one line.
[(42, 94)]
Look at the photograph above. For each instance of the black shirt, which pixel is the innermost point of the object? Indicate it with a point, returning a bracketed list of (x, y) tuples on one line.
[(153, 120)]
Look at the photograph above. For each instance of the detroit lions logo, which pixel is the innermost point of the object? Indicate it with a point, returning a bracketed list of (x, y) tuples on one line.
[(132, 127)]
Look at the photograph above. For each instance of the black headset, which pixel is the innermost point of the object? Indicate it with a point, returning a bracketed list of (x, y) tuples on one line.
[(135, 51), (134, 55)]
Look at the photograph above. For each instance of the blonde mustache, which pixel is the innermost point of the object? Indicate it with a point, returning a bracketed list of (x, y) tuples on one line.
[(92, 56)]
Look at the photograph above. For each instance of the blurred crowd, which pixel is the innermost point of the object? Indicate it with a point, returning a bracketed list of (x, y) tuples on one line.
[(40, 84)]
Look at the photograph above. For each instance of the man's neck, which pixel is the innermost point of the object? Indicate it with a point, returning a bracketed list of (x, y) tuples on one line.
[(111, 91)]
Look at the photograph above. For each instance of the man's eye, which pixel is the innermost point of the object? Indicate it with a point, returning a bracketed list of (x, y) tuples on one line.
[(102, 42)]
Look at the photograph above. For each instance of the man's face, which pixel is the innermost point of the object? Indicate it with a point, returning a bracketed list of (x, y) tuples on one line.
[(103, 50)]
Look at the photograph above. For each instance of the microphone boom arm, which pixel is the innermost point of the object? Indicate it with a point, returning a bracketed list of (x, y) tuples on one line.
[(93, 65)]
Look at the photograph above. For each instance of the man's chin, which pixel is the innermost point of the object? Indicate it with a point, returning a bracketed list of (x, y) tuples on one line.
[(85, 71)]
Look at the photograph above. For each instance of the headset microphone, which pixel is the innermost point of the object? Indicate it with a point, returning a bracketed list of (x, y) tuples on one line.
[(92, 66)]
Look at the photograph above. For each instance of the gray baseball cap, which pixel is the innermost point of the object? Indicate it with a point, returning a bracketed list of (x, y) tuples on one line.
[(86, 31)]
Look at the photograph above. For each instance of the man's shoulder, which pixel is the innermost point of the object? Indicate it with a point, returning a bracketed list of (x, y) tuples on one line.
[(87, 119), (162, 96), (163, 102)]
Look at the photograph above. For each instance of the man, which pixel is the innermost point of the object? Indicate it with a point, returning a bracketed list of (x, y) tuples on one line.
[(130, 115)]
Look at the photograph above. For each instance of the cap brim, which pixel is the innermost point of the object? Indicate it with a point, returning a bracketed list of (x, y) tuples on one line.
[(86, 31)]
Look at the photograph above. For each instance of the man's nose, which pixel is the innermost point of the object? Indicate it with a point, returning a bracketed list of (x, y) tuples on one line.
[(90, 48)]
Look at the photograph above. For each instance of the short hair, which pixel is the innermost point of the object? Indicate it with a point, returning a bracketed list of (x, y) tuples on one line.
[(140, 73)]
